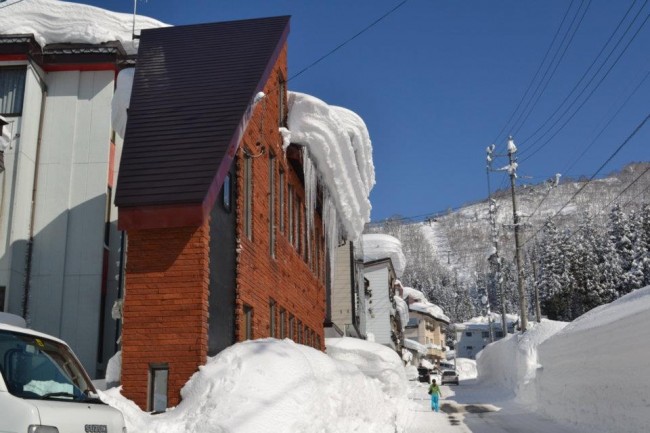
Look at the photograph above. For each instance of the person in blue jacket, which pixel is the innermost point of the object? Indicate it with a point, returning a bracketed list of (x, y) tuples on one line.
[(434, 390)]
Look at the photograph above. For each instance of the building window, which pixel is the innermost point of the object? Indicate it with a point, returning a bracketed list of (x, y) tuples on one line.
[(499, 334), (468, 334), (3, 295), (300, 330), (272, 205), (272, 318), (12, 90), (248, 195), (282, 91), (248, 323), (485, 334), (283, 323), (226, 191), (158, 378), (292, 327), (469, 347), (298, 235), (290, 213), (282, 180)]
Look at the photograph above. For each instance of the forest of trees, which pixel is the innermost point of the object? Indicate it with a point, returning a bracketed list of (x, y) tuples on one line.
[(577, 261)]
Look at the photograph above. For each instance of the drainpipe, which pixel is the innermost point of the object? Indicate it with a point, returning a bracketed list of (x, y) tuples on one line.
[(30, 242)]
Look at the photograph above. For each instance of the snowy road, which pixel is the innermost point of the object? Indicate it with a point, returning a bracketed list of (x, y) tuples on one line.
[(472, 408)]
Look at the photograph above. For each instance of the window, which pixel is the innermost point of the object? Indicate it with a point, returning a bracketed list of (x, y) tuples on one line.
[(298, 235), (292, 328), (499, 334), (282, 200), (290, 213), (485, 334), (12, 90), (282, 88), (158, 377), (300, 332), (469, 347), (247, 332), (468, 334), (226, 191), (272, 205), (272, 318), (283, 323), (3, 294), (248, 195)]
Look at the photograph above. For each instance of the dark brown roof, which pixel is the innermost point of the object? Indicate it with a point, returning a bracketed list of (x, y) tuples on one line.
[(192, 87)]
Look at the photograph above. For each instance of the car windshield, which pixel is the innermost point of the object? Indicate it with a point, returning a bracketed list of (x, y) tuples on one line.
[(37, 368), (448, 373)]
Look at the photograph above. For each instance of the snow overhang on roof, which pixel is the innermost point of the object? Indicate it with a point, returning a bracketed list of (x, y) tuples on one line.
[(380, 246), (56, 22)]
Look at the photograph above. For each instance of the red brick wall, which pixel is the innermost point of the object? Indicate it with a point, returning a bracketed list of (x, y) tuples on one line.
[(295, 285), (166, 308)]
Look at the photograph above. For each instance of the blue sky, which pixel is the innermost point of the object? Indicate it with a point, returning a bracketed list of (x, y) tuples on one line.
[(436, 81)]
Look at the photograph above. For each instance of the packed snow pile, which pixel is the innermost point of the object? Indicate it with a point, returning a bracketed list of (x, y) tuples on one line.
[(419, 302), (466, 368), (590, 373), (379, 246), (511, 363), (279, 386), (338, 145), (595, 372), (55, 21)]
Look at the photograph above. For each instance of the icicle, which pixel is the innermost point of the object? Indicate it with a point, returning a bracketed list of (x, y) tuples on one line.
[(331, 229), (311, 185)]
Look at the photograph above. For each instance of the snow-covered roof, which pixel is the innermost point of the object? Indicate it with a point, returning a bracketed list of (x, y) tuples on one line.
[(55, 21), (422, 304), (483, 321), (338, 143), (380, 246), (414, 345)]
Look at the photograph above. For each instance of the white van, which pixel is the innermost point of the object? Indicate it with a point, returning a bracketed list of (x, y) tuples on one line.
[(44, 388)]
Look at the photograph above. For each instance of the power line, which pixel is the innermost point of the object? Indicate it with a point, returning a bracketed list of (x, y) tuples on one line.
[(588, 96), (556, 65), (539, 68), (584, 75), (618, 149), (341, 45), (638, 86)]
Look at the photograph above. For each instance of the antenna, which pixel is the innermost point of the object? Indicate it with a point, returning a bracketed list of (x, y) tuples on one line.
[(135, 9)]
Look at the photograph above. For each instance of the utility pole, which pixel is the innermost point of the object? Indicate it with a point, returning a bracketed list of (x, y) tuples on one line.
[(538, 310), (512, 171), (495, 241)]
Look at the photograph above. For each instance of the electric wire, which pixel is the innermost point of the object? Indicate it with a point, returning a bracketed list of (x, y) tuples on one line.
[(588, 96), (638, 86), (341, 45), (618, 149), (539, 68), (584, 75), (557, 64)]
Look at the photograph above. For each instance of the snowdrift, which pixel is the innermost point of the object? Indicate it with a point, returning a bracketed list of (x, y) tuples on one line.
[(278, 386)]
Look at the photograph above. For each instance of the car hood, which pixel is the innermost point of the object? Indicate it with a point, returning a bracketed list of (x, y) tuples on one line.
[(71, 417)]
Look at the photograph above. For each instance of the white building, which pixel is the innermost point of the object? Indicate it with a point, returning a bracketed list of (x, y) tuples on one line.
[(59, 247)]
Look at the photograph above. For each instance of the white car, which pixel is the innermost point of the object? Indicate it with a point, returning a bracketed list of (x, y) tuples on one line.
[(44, 388)]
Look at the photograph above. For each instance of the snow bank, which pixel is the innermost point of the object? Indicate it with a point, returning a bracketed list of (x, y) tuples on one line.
[(466, 368), (114, 369), (338, 144), (511, 363), (279, 386), (54, 21), (380, 246), (595, 372)]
